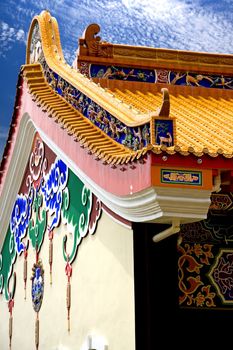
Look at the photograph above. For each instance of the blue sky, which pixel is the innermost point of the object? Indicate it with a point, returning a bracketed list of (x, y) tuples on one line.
[(199, 25)]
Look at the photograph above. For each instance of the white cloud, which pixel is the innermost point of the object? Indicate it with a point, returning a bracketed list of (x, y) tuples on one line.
[(9, 35), (69, 55), (180, 25), (163, 23), (20, 35), (198, 25)]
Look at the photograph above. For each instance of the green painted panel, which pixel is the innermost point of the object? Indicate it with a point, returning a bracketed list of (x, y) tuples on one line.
[(7, 260), (76, 210)]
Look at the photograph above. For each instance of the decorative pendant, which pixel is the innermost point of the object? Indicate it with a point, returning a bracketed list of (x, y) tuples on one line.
[(37, 293), (10, 308), (68, 271)]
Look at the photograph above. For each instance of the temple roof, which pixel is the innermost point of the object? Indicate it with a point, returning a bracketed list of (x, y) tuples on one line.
[(203, 124), (124, 139), (203, 117)]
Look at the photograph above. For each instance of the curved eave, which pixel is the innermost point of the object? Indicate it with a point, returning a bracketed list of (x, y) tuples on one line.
[(127, 191), (118, 154), (92, 164), (54, 57), (147, 204)]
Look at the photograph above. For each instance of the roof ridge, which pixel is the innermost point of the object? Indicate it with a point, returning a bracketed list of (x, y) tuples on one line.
[(51, 47)]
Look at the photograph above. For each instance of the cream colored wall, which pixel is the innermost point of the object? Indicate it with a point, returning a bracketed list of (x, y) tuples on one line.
[(102, 302)]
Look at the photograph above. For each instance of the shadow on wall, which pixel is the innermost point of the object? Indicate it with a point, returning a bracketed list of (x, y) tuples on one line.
[(117, 240)]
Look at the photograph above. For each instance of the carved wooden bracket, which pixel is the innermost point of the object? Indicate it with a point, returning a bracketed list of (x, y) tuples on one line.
[(91, 45)]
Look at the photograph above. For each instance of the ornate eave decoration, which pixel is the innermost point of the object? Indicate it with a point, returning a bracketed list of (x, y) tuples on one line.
[(162, 125)]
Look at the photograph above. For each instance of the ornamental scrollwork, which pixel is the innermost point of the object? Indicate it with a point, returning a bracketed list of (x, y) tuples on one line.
[(193, 291), (49, 194)]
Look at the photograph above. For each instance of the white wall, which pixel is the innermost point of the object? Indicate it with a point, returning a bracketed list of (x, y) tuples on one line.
[(102, 302)]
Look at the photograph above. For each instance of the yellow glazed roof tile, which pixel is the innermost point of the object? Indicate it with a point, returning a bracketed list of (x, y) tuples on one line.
[(203, 125)]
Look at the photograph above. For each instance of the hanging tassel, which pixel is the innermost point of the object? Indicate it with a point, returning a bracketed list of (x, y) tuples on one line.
[(68, 303), (51, 258), (68, 271), (11, 304), (10, 330), (37, 331), (50, 253), (25, 272), (10, 307)]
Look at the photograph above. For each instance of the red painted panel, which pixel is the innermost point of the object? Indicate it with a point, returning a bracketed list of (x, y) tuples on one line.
[(113, 180)]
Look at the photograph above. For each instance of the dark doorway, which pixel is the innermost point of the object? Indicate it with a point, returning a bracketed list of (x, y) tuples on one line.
[(159, 320)]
